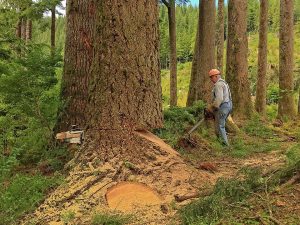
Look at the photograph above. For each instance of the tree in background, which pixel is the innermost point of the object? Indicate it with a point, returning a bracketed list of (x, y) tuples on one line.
[(261, 92), (237, 65), (50, 5), (170, 4), (186, 28), (252, 15), (78, 59), (220, 35), (299, 103), (204, 58), (53, 18), (286, 105)]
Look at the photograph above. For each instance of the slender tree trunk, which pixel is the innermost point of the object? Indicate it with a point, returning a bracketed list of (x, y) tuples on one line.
[(260, 103), (299, 103), (53, 18), (23, 28), (173, 54), (286, 105), (125, 89), (19, 29), (28, 30), (206, 52), (77, 63), (237, 65), (220, 35)]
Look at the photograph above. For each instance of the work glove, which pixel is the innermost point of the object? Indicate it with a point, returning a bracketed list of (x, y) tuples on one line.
[(210, 108)]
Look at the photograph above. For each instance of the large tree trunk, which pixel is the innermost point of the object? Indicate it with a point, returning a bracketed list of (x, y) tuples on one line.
[(206, 52), (220, 35), (125, 88), (28, 30), (53, 18), (77, 63), (124, 96), (286, 105), (173, 54), (237, 65), (260, 103)]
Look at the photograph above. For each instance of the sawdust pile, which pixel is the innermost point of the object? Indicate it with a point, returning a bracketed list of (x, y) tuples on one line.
[(97, 174)]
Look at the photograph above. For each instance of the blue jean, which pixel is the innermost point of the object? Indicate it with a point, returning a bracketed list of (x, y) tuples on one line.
[(221, 117)]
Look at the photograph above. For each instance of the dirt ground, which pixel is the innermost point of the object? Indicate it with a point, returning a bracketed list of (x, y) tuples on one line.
[(143, 183)]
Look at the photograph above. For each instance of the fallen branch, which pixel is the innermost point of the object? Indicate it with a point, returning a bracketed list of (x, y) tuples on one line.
[(182, 198), (274, 220), (186, 197), (291, 181)]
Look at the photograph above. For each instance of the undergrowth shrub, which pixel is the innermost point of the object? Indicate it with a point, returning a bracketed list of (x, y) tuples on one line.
[(22, 193), (29, 99), (292, 167), (226, 194), (177, 119)]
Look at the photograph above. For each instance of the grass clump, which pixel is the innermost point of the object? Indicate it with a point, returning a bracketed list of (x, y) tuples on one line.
[(256, 127), (110, 219), (68, 216), (292, 167), (227, 194), (22, 193), (241, 148)]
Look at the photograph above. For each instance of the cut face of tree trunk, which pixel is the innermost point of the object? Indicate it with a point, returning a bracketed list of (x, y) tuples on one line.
[(286, 105), (205, 57), (237, 65), (261, 89)]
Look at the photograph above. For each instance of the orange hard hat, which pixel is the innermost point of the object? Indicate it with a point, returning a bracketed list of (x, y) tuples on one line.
[(213, 72)]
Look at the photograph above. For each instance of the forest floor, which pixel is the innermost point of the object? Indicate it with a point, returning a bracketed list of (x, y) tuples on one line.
[(142, 188)]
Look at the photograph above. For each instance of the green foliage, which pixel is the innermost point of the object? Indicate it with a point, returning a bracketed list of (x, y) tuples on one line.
[(273, 94), (108, 219), (242, 148), (29, 93), (55, 158), (177, 119), (290, 169), (253, 16), (21, 194), (183, 80), (186, 28), (227, 193), (41, 32), (293, 154), (271, 111)]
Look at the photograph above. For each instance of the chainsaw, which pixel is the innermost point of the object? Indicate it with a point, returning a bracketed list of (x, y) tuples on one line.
[(207, 115)]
